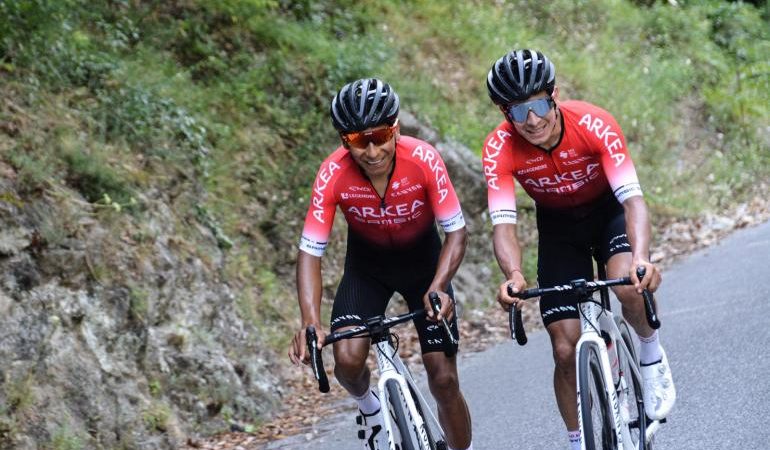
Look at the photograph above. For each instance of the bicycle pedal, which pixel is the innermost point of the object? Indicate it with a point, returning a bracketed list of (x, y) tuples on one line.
[(441, 445), (361, 434), (359, 420)]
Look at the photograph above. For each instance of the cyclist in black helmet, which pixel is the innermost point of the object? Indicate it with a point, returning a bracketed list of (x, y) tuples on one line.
[(571, 158), (392, 189)]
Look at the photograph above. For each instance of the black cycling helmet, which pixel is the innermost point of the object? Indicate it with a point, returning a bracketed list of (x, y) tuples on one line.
[(519, 75), (363, 104)]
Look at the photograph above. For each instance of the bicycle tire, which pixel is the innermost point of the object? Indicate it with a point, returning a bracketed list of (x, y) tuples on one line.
[(399, 416), (598, 432), (638, 419)]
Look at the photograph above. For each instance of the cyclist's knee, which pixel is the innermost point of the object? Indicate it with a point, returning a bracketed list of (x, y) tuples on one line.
[(443, 384), (564, 356), (349, 366), (442, 374)]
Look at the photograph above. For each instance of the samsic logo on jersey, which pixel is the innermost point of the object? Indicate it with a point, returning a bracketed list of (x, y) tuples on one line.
[(390, 214)]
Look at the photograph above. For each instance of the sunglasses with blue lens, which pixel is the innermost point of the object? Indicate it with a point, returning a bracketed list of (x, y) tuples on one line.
[(519, 112)]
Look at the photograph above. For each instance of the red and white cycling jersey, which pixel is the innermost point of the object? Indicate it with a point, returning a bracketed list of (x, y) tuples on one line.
[(418, 193), (591, 157)]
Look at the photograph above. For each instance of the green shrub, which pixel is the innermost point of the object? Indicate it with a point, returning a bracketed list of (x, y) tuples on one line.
[(90, 174)]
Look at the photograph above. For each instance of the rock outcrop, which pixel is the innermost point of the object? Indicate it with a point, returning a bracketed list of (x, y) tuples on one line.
[(114, 335)]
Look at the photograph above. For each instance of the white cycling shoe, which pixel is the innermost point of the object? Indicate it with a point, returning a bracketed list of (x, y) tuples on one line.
[(372, 431), (659, 390)]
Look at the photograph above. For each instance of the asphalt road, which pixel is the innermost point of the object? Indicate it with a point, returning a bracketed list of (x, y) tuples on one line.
[(715, 311)]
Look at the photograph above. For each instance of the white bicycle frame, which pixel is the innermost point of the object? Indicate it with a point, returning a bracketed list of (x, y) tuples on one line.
[(393, 372), (593, 318)]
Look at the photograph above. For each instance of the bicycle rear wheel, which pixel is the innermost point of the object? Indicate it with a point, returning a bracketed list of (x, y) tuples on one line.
[(633, 397), (598, 432)]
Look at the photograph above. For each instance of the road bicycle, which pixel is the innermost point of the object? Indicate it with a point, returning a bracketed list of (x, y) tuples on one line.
[(610, 396), (403, 406)]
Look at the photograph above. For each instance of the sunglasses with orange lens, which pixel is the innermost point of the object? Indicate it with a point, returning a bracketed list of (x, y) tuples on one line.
[(362, 139)]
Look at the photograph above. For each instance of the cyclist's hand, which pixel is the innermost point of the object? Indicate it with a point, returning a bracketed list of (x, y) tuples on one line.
[(518, 284), (652, 277), (298, 348), (447, 307)]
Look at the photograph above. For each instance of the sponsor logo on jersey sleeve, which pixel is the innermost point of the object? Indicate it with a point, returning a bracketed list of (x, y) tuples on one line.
[(430, 157), (325, 174), (312, 246), (453, 223), (611, 139), (503, 216), (627, 191), (492, 151)]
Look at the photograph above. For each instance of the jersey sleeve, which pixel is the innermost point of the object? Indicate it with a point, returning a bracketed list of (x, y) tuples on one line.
[(616, 160), (320, 214), (441, 193), (497, 160)]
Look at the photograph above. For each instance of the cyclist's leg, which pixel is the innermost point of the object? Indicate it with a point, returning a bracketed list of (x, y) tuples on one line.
[(453, 411), (359, 296), (443, 380), (564, 335), (660, 393), (616, 250), (562, 257)]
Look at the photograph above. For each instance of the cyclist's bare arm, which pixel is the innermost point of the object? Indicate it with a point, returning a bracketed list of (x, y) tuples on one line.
[(508, 254), (452, 252), (309, 294), (638, 230)]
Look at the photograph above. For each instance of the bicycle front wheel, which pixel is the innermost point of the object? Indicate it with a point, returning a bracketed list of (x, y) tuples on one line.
[(595, 413), (405, 427)]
